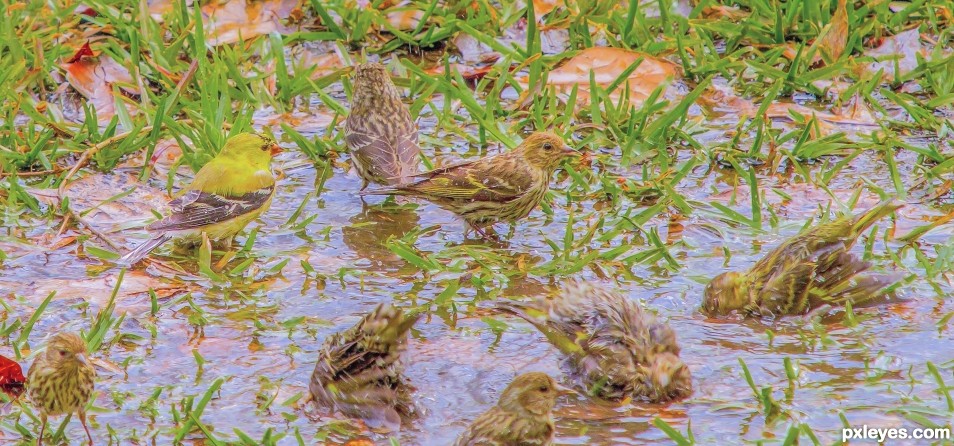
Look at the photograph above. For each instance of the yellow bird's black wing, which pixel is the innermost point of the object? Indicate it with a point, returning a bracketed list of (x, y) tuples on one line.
[(196, 209)]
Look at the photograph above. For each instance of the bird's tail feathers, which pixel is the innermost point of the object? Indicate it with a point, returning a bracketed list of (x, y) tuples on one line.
[(530, 313), (143, 250), (866, 288), (381, 191), (387, 325), (869, 217)]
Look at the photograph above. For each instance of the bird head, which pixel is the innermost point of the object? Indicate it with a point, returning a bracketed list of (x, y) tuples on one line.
[(668, 378), (255, 149), (545, 150), (531, 394), (372, 80), (724, 294), (67, 350)]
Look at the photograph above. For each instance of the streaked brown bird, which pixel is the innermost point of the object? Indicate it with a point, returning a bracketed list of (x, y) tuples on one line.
[(61, 380), (504, 187), (522, 416), (379, 131), (806, 271), (613, 347), (359, 370)]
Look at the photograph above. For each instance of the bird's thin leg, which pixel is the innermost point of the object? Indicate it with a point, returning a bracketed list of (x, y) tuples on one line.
[(513, 229), (39, 440), (478, 230), (82, 417)]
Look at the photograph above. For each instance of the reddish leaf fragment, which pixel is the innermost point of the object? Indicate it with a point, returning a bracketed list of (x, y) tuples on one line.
[(87, 11), (11, 377), (84, 51)]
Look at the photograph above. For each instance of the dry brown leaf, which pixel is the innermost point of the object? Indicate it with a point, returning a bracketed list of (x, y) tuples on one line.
[(94, 77), (897, 55), (311, 121), (405, 19), (239, 20), (112, 203), (97, 290), (722, 100), (165, 155), (544, 7), (607, 64), (731, 13), (834, 37)]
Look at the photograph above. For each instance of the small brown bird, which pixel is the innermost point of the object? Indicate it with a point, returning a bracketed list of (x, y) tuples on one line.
[(379, 130), (615, 348), (504, 187), (805, 272), (359, 370), (61, 380), (522, 416)]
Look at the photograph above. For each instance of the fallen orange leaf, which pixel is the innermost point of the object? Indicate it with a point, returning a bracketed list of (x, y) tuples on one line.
[(239, 20), (94, 79), (84, 51), (608, 64)]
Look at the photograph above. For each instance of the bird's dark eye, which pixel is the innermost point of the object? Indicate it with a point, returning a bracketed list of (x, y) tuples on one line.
[(547, 146), (62, 352), (544, 389)]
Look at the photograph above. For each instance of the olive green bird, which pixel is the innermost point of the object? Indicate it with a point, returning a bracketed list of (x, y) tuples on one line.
[(504, 187), (379, 131), (226, 194), (522, 416), (809, 270), (359, 370), (613, 348), (61, 380)]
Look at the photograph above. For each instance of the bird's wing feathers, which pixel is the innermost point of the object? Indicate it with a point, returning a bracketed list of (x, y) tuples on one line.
[(472, 181), (390, 155), (196, 209), (786, 290)]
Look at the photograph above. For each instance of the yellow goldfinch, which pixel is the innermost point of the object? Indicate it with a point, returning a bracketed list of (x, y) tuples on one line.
[(225, 195)]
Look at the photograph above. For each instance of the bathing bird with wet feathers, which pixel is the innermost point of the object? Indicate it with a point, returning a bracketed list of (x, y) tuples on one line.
[(359, 370), (614, 348), (807, 271)]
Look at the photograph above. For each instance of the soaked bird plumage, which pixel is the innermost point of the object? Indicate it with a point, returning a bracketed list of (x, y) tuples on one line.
[(359, 370), (504, 187), (613, 347), (379, 131), (806, 271), (226, 194), (521, 417), (61, 380)]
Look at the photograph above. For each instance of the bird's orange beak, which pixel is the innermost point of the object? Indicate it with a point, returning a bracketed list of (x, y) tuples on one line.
[(275, 149)]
